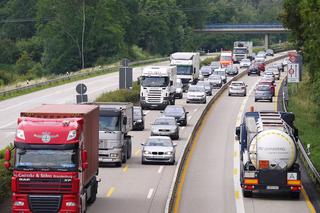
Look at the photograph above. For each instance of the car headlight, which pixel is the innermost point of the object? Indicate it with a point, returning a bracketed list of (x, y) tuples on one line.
[(146, 152), (169, 153), (72, 134), (139, 120), (20, 134)]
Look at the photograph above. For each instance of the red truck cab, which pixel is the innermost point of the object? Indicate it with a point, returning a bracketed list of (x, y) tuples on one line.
[(55, 159)]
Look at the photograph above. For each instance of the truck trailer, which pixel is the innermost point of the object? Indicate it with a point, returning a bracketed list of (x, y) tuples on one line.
[(188, 66), (158, 86), (55, 159), (115, 122), (268, 154)]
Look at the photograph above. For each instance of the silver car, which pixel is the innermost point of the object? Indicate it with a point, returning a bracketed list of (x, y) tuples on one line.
[(215, 65), (179, 89), (263, 92), (215, 81), (222, 73), (196, 94), (269, 75), (165, 126), (275, 72), (238, 88), (158, 149), (207, 86)]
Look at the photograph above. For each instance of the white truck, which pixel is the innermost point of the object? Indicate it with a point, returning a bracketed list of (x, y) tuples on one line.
[(158, 86), (115, 122), (268, 154), (241, 50), (188, 66)]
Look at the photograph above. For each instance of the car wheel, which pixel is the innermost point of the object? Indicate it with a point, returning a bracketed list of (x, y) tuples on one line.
[(118, 164), (229, 94), (205, 101), (270, 100), (255, 100), (187, 101), (245, 94), (172, 162)]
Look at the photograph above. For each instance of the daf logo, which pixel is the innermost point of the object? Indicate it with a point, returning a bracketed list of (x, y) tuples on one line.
[(46, 137)]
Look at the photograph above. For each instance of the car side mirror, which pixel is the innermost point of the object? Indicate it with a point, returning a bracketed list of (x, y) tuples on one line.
[(144, 114), (237, 137), (174, 145), (161, 111), (187, 112), (142, 144)]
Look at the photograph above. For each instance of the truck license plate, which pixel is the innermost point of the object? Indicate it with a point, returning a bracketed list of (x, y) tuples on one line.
[(273, 187)]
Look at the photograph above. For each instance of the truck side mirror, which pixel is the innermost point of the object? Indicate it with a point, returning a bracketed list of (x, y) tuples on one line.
[(194, 70), (237, 137), (125, 120), (7, 158), (171, 83), (84, 158)]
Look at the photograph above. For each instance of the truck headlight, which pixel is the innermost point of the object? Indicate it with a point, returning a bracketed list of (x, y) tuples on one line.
[(20, 134), (70, 204), (113, 155), (18, 203), (72, 134)]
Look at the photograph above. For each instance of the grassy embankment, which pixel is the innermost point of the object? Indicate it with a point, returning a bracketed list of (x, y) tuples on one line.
[(306, 121)]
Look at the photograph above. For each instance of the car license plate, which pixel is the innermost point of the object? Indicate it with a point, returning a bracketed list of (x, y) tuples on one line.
[(273, 187)]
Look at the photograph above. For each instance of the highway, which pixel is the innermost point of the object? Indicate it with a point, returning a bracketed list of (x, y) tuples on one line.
[(211, 181), (209, 184)]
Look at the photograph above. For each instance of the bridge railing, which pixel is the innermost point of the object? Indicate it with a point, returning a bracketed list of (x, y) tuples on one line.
[(244, 26)]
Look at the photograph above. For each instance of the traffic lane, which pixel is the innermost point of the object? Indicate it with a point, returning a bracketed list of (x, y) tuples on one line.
[(153, 186), (274, 202), (209, 179)]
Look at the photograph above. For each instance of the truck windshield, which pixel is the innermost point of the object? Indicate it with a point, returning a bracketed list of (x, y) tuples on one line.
[(109, 123), (154, 81), (184, 70), (48, 159), (225, 58), (240, 51)]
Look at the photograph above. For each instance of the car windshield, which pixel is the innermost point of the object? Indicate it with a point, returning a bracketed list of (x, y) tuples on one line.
[(231, 68), (221, 73), (225, 58), (196, 89), (154, 81), (237, 84), (240, 51), (109, 123), (48, 159), (184, 70), (173, 111), (159, 142), (263, 88), (245, 60), (137, 113), (215, 64), (203, 83), (215, 77), (205, 68), (163, 121)]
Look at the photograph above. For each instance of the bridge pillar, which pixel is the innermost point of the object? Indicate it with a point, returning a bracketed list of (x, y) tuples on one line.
[(266, 41)]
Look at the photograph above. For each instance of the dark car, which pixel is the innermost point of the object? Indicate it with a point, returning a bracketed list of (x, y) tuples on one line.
[(138, 118), (206, 71), (178, 112), (207, 86), (253, 69), (232, 70)]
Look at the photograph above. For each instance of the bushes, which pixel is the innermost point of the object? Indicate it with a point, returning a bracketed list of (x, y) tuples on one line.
[(122, 95), (5, 178), (208, 61)]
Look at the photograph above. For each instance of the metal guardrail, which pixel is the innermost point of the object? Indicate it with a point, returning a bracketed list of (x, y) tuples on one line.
[(176, 179), (313, 172), (75, 75), (244, 26)]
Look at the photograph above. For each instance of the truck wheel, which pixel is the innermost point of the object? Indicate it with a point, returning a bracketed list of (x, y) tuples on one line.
[(118, 164), (246, 193), (295, 195), (129, 148), (124, 157), (94, 190)]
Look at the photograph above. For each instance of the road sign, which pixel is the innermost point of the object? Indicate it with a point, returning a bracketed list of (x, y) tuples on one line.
[(293, 73), (125, 78), (293, 57), (81, 89)]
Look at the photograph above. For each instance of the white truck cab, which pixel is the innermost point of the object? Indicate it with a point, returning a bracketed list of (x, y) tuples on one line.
[(188, 66), (158, 86)]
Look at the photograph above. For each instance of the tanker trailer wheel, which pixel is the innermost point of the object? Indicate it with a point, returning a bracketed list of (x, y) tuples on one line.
[(295, 195), (94, 190), (246, 193)]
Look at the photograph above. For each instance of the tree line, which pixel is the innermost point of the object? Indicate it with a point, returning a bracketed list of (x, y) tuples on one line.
[(41, 37), (302, 17)]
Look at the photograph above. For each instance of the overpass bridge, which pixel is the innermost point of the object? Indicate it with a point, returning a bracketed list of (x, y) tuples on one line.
[(266, 29)]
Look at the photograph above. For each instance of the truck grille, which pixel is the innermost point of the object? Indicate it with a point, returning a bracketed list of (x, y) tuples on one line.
[(45, 203), (273, 177), (45, 185), (154, 96)]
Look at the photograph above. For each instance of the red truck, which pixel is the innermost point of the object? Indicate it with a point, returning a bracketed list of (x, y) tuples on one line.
[(55, 159)]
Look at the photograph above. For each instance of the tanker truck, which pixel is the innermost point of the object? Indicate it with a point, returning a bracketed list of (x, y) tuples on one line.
[(268, 153)]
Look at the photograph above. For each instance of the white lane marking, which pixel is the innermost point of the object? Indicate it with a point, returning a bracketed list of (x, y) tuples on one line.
[(189, 118), (150, 193), (196, 109), (183, 127), (160, 169), (236, 159), (8, 124), (146, 112)]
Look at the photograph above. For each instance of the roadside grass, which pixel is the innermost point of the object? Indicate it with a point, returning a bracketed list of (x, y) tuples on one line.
[(5, 177), (306, 121)]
